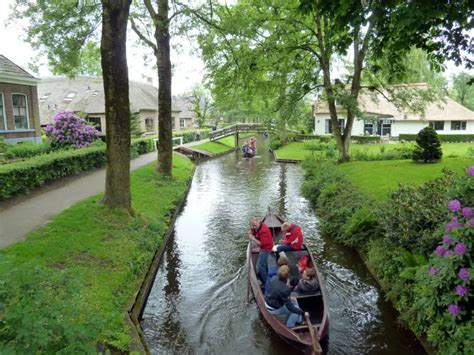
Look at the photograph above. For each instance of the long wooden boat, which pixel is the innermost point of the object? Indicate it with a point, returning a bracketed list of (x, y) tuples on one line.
[(307, 337)]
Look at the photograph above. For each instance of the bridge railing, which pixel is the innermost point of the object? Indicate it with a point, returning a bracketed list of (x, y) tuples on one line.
[(236, 128)]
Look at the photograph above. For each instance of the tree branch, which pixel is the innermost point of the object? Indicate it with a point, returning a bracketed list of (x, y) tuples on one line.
[(142, 37)]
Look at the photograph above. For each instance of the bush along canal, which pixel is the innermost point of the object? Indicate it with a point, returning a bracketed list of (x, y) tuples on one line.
[(198, 303)]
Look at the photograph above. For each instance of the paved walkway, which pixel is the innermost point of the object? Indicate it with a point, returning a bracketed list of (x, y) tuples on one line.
[(17, 219)]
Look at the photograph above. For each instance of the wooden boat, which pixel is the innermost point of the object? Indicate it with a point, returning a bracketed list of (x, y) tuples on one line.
[(304, 337), (248, 154)]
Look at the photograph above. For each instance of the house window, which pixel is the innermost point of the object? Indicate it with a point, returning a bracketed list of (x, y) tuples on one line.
[(181, 123), (368, 128), (328, 128), (20, 111), (96, 122), (173, 125), (149, 124), (437, 125), (458, 125), (3, 122)]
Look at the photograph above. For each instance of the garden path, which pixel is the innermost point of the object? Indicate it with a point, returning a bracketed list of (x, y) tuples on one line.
[(22, 215)]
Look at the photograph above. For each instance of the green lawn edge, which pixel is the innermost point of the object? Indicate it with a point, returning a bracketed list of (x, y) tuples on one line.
[(68, 286), (219, 146)]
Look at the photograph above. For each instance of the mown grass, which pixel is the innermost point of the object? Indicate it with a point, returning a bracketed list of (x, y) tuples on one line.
[(300, 151), (67, 286), (216, 147), (378, 178)]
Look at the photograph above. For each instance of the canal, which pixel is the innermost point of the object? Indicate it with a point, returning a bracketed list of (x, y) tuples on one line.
[(198, 302)]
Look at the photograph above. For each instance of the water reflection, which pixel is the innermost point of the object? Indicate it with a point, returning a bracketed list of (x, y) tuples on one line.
[(198, 303)]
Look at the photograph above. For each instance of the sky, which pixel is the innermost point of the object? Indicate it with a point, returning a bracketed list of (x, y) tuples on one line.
[(188, 68)]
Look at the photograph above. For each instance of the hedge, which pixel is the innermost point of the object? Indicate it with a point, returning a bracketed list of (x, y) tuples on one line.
[(23, 176), (448, 138), (365, 139)]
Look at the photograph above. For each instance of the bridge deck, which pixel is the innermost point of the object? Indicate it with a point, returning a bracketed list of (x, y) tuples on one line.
[(237, 128)]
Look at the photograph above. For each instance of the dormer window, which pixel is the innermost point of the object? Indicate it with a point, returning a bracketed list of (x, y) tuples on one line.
[(44, 97), (70, 96)]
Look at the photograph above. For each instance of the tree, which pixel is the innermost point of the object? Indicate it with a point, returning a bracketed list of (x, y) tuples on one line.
[(201, 105), (428, 146), (62, 29), (142, 19), (117, 106), (463, 89), (287, 49)]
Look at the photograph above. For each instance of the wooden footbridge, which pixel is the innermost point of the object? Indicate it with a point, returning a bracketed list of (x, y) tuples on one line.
[(235, 130)]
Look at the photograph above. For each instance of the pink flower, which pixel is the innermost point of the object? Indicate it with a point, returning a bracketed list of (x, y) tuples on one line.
[(433, 270), (470, 171), (454, 205), (460, 249), (447, 240), (463, 274), (454, 309), (466, 212), (461, 290)]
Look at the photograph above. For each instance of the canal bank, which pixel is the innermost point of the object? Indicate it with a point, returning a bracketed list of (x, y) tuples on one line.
[(198, 301)]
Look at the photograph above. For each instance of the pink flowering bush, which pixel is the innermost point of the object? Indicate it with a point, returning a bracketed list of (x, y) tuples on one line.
[(69, 130), (444, 289)]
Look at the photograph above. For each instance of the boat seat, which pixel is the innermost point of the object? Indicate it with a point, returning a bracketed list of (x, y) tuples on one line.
[(309, 294)]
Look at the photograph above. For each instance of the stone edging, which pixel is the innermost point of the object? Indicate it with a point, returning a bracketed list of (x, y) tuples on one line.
[(278, 160), (137, 304)]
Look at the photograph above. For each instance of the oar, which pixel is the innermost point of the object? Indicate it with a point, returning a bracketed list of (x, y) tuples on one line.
[(317, 350)]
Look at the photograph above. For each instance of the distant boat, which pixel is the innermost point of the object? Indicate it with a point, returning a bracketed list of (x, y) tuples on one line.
[(304, 337)]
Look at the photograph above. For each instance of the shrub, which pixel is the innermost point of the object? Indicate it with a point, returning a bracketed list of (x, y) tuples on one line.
[(448, 138), (69, 130), (444, 292), (428, 146), (362, 226), (23, 176), (26, 150), (412, 215), (3, 145), (365, 139)]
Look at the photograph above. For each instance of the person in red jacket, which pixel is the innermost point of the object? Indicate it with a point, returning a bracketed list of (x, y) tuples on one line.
[(293, 238), (261, 235)]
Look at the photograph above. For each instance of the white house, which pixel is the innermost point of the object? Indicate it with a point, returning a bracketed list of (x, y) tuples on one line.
[(447, 117), (86, 94)]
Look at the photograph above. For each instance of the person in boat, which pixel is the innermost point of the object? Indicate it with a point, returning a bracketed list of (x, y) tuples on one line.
[(253, 145), (293, 238), (282, 260), (308, 283), (261, 235), (245, 148), (278, 300)]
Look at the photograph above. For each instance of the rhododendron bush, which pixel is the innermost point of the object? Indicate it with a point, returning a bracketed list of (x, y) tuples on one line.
[(444, 289), (69, 130)]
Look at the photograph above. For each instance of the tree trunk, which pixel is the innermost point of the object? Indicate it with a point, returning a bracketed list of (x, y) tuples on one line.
[(165, 135), (117, 108)]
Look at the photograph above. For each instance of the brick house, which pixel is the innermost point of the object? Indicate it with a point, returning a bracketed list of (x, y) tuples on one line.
[(19, 112)]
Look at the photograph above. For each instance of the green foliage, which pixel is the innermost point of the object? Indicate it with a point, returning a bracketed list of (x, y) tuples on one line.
[(135, 129), (63, 27), (68, 286), (26, 150), (3, 145), (452, 138), (428, 146), (412, 215), (362, 226), (463, 89), (410, 264)]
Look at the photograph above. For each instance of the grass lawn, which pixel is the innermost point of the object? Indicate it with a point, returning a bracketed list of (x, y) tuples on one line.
[(68, 285), (219, 146), (378, 178), (299, 151)]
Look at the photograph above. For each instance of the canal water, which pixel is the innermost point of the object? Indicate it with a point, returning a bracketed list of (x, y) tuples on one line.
[(198, 303)]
